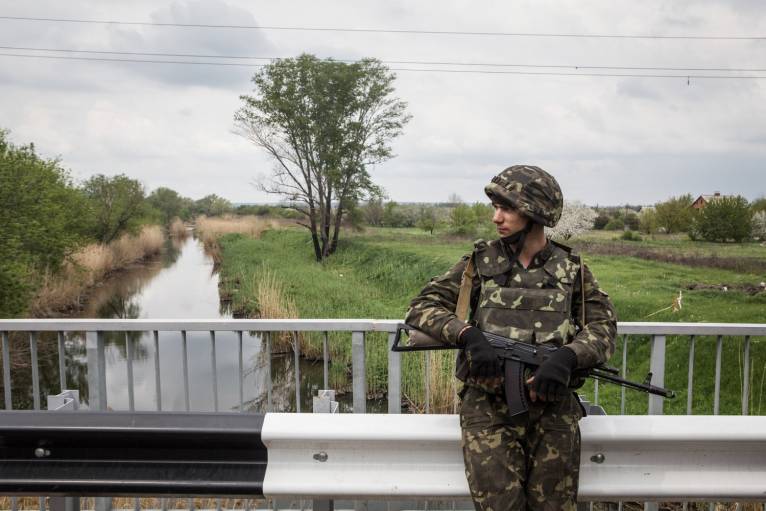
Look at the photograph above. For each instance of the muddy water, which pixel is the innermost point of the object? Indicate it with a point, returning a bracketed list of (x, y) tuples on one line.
[(180, 284)]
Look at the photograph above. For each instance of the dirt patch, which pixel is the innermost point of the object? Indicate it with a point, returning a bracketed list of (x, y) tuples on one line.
[(740, 264)]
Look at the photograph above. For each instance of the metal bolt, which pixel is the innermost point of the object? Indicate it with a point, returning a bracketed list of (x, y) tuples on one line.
[(321, 456), (42, 453), (598, 458)]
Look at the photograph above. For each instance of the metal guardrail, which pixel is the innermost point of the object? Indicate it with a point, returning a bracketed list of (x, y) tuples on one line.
[(95, 330)]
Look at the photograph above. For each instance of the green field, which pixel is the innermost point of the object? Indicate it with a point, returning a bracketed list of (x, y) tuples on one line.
[(376, 273)]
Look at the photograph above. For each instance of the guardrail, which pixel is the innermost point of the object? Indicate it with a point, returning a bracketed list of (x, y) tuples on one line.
[(355, 456), (236, 330)]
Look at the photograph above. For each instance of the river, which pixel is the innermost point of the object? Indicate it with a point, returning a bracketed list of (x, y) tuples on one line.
[(182, 283)]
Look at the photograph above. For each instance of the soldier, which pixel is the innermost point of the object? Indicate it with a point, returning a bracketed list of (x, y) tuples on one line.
[(535, 290)]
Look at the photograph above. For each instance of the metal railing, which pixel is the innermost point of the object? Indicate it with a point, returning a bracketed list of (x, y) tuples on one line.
[(235, 331)]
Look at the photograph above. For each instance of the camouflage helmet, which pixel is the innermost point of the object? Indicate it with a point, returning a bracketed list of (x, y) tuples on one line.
[(531, 190)]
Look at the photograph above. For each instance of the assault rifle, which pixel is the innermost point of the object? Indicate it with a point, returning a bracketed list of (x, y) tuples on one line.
[(518, 357)]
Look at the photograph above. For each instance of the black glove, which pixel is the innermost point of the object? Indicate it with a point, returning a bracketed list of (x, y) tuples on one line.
[(552, 377), (482, 361)]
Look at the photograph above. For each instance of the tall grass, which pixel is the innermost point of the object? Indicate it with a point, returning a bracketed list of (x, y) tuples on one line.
[(209, 230), (66, 289)]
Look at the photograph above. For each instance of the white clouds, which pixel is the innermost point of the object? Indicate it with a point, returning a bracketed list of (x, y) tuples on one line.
[(609, 140)]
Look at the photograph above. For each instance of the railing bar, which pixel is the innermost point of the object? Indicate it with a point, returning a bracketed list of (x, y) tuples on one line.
[(164, 504), (241, 373), (717, 393), (35, 370), (129, 354), (157, 379), (218, 504), (186, 368), (326, 360), (14, 504), (41, 503), (7, 373), (269, 384), (136, 504), (359, 373), (214, 367), (394, 377), (746, 379), (657, 368), (426, 376), (297, 357), (690, 377), (624, 372), (190, 504), (62, 362)]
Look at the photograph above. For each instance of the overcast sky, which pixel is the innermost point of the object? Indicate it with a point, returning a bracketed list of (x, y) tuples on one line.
[(608, 140)]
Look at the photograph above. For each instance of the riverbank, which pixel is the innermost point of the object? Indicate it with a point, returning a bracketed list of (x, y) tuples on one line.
[(375, 276), (66, 291)]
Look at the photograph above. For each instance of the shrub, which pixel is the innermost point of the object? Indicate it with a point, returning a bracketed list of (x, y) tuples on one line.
[(462, 220), (675, 214), (647, 221), (728, 218), (631, 236), (600, 221), (615, 224)]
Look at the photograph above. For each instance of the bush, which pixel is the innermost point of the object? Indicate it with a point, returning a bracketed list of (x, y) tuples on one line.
[(615, 224), (631, 236), (462, 220), (601, 221), (728, 218)]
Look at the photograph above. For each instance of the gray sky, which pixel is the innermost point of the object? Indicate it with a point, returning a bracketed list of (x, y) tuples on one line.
[(609, 140)]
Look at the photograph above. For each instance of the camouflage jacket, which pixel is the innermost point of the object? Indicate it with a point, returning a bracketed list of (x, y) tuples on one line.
[(541, 303)]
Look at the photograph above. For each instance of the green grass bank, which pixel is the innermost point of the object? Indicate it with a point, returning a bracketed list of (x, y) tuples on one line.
[(374, 275)]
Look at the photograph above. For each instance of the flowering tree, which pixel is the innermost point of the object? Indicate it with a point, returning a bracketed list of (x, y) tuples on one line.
[(576, 218), (759, 225)]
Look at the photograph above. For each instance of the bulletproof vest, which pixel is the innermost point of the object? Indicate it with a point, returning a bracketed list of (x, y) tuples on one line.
[(534, 305)]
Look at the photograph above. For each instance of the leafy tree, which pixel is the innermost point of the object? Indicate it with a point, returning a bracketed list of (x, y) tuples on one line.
[(758, 204), (324, 122), (462, 220), (427, 219), (168, 202), (373, 211), (615, 224), (675, 214), (632, 221), (647, 221), (41, 216), (117, 205), (212, 205), (759, 225), (576, 218), (728, 218)]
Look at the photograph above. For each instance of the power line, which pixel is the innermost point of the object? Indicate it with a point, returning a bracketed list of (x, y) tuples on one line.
[(422, 70), (389, 31), (394, 62)]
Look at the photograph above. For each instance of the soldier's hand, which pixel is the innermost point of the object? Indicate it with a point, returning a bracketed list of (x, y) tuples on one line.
[(482, 361), (551, 380)]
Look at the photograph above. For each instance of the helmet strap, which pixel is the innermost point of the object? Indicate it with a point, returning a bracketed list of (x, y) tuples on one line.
[(512, 254)]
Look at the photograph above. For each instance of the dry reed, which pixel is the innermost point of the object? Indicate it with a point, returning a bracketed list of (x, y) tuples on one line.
[(90, 265), (272, 302), (177, 229), (33, 503), (210, 229)]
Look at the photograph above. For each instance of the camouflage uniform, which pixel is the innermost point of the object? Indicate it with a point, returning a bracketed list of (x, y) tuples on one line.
[(528, 461)]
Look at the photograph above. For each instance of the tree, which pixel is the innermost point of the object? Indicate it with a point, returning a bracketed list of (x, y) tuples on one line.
[(168, 202), (647, 221), (212, 205), (462, 220), (600, 221), (324, 123), (41, 221), (728, 218), (373, 211), (758, 204), (117, 204), (759, 225), (576, 218), (675, 214), (427, 219)]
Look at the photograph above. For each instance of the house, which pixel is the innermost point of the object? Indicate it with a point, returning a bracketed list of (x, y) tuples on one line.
[(702, 200)]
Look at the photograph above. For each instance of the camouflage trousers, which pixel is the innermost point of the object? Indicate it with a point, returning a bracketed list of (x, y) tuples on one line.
[(527, 462)]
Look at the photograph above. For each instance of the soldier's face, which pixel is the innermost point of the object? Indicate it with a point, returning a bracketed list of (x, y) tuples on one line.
[(507, 220)]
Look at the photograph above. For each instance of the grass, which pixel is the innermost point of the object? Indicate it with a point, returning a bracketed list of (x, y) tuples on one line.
[(375, 274), (89, 266)]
